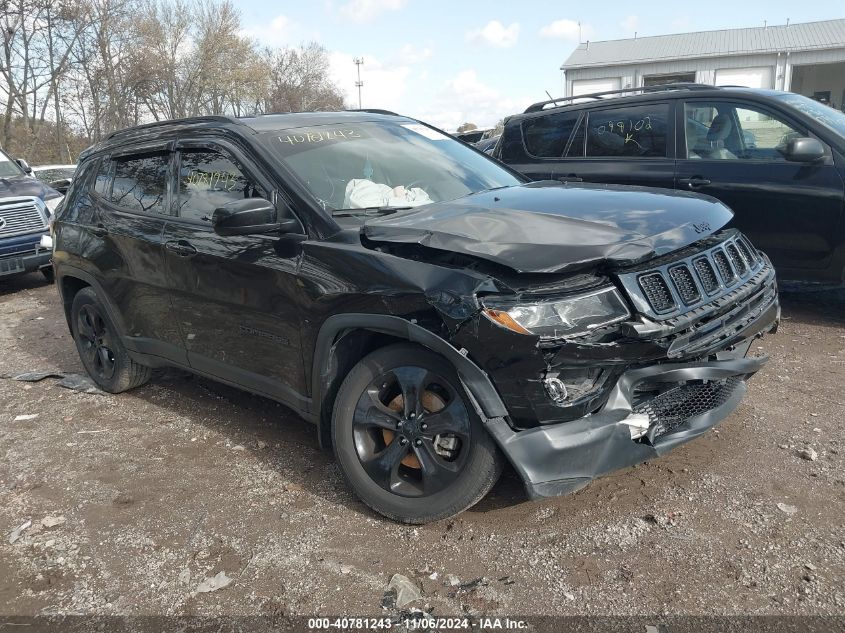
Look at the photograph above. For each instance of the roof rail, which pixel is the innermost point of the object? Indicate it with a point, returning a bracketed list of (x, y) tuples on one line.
[(373, 111), (540, 105), (169, 122)]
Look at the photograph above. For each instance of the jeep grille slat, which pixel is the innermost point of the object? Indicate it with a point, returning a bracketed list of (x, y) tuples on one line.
[(737, 260), (685, 284), (657, 292), (724, 266), (706, 275)]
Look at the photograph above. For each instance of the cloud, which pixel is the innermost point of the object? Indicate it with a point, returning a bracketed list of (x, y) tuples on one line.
[(568, 30), (368, 10), (630, 25), (496, 34), (466, 98), (276, 33), (384, 84), (410, 55)]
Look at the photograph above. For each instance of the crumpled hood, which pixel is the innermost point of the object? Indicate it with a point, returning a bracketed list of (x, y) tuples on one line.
[(554, 227), (25, 186)]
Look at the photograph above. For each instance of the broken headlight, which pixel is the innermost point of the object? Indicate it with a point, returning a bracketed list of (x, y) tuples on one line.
[(560, 318)]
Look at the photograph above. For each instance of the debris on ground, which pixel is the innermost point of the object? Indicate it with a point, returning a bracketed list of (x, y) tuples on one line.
[(15, 534), (400, 591), (214, 583), (184, 576), (51, 522), (787, 509), (25, 417), (809, 454), (76, 382)]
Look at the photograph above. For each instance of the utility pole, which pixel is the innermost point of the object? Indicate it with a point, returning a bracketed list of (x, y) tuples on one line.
[(358, 61)]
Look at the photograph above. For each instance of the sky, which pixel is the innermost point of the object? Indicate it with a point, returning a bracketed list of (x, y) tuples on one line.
[(447, 63)]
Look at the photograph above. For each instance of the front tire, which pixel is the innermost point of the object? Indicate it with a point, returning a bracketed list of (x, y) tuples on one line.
[(100, 348), (407, 438)]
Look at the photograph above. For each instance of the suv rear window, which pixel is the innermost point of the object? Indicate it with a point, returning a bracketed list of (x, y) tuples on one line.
[(546, 137), (636, 131)]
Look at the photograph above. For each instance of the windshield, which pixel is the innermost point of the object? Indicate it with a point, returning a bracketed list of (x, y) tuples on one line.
[(832, 118), (384, 166), (8, 168)]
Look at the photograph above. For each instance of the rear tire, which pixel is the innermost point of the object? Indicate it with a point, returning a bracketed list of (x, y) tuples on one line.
[(407, 438), (100, 348)]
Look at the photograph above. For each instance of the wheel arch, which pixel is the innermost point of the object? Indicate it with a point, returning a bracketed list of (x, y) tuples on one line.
[(71, 280), (346, 338)]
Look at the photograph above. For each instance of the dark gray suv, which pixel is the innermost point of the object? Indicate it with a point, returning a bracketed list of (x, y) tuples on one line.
[(777, 159)]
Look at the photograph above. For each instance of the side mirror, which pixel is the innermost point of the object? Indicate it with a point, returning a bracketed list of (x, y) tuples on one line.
[(24, 165), (803, 150), (250, 216)]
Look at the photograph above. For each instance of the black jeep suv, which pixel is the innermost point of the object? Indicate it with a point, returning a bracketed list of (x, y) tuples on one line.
[(431, 311), (777, 159)]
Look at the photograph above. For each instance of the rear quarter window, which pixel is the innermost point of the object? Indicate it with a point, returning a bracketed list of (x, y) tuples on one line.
[(635, 132), (547, 136)]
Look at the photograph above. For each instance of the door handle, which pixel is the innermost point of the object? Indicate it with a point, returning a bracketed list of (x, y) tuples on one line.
[(570, 178), (181, 248), (99, 230), (695, 181)]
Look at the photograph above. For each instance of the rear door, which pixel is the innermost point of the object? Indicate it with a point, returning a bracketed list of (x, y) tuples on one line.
[(235, 296), (627, 145), (537, 146), (731, 150), (131, 200)]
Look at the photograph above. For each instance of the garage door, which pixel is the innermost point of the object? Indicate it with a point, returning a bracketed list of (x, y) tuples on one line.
[(586, 86), (749, 77)]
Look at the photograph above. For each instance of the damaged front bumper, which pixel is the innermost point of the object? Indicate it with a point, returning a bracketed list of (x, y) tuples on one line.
[(561, 458)]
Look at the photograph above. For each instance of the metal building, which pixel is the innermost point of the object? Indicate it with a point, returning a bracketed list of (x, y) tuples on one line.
[(805, 58)]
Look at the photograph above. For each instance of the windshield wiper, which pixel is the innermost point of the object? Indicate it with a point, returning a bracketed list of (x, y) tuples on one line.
[(367, 211)]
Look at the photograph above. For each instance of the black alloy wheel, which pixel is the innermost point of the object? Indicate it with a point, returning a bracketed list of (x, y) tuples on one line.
[(412, 431), (407, 439), (100, 347), (96, 342)]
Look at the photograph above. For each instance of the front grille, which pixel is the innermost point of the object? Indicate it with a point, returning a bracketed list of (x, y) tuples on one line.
[(20, 216), (696, 280), (671, 408), (707, 275), (684, 284), (657, 292)]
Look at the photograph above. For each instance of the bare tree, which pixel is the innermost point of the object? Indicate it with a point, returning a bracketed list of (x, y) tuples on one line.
[(299, 80)]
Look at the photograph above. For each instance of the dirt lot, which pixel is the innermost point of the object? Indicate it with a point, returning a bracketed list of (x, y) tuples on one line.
[(148, 493)]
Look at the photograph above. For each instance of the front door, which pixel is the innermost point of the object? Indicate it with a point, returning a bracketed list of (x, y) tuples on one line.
[(234, 295), (732, 150)]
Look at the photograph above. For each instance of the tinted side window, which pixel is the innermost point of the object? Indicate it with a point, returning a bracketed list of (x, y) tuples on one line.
[(140, 183), (637, 131), (102, 185), (727, 131), (69, 211), (546, 137), (576, 143), (209, 179)]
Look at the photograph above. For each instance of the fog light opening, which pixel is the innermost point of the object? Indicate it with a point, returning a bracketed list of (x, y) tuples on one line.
[(556, 389)]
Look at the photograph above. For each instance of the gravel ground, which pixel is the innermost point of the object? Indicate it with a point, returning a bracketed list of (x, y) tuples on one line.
[(136, 499)]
